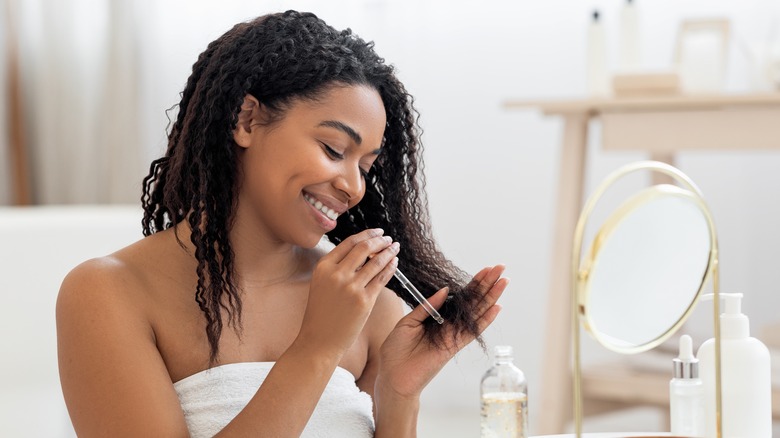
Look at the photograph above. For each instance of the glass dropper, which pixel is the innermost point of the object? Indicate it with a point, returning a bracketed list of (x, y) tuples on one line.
[(418, 296)]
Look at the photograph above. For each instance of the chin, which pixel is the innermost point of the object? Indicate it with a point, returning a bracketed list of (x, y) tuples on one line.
[(311, 241)]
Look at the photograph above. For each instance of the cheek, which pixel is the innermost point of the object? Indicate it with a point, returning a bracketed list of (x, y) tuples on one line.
[(258, 178)]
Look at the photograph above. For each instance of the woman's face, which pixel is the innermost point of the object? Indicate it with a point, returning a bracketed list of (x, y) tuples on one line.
[(302, 172)]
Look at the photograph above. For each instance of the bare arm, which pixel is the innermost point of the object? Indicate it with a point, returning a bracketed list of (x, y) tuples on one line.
[(115, 381), (113, 378)]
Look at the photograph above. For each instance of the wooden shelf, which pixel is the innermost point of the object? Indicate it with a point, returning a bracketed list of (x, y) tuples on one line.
[(654, 103)]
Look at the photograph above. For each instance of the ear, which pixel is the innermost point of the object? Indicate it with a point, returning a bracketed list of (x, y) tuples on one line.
[(248, 116)]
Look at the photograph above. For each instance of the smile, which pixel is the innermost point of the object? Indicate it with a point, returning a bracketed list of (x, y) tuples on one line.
[(330, 213)]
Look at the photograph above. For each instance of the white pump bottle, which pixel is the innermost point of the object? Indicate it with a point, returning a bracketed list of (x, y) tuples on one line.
[(746, 380)]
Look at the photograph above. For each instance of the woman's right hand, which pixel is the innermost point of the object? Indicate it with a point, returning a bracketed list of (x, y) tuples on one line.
[(344, 287)]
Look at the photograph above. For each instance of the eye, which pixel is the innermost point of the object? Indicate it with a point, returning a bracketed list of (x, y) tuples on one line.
[(332, 152)]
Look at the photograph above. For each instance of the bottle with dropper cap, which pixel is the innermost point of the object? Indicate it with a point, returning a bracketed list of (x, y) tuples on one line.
[(746, 377), (686, 393)]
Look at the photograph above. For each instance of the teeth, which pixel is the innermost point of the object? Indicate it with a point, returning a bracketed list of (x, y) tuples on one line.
[(331, 214)]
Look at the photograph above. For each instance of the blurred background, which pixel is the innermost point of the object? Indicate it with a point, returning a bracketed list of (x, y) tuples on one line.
[(88, 85)]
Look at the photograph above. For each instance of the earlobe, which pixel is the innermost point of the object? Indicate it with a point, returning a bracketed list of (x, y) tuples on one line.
[(248, 114)]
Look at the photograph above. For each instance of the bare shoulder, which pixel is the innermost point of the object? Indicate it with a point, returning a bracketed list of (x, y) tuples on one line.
[(102, 284), (106, 346), (121, 281)]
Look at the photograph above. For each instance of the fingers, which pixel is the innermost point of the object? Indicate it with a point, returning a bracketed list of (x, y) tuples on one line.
[(485, 320), (419, 314), (489, 278), (377, 263), (489, 311), (344, 248), (379, 249), (380, 280), (487, 282), (492, 295), (477, 278), (365, 259)]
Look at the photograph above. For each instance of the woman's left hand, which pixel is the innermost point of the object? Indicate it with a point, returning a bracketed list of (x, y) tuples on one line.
[(408, 362)]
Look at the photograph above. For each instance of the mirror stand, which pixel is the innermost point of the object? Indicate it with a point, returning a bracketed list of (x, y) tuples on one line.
[(582, 278)]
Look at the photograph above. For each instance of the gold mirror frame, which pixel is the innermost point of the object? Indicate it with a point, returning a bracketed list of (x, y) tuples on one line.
[(580, 279), (588, 267)]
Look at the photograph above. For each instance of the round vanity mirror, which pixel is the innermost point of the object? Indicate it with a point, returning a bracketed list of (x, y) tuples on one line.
[(645, 269)]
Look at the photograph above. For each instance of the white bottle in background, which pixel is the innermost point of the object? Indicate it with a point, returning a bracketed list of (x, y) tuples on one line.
[(686, 393), (746, 379), (629, 43), (504, 398), (596, 63)]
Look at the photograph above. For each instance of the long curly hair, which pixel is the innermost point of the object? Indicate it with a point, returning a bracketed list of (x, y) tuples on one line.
[(278, 59)]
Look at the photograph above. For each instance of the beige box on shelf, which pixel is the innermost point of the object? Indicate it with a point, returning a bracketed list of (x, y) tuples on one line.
[(645, 84)]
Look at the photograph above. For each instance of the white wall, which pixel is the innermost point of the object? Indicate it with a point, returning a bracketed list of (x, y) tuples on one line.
[(491, 172)]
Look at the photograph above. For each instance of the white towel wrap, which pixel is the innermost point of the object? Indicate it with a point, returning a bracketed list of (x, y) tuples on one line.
[(210, 399)]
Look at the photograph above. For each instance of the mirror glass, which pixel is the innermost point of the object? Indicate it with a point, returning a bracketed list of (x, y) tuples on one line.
[(645, 269)]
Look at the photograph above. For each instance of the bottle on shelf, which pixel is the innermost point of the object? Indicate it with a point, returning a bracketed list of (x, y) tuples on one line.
[(629, 43), (504, 398), (596, 63)]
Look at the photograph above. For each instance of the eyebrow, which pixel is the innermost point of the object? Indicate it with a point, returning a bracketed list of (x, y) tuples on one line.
[(343, 128), (347, 130)]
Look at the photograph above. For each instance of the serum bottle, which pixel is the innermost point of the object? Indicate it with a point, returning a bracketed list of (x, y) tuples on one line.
[(504, 398), (686, 393)]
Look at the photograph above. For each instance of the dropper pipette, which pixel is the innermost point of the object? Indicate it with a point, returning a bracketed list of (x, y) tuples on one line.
[(418, 296)]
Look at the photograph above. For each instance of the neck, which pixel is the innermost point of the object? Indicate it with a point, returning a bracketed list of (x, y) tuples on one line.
[(258, 260), (261, 259)]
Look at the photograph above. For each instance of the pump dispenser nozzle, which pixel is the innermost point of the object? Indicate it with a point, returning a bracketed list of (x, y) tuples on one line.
[(733, 323)]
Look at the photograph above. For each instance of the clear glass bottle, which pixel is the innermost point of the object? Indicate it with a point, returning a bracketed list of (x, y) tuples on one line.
[(504, 398)]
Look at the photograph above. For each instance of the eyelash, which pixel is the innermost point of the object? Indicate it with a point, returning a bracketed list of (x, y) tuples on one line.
[(335, 155), (332, 152)]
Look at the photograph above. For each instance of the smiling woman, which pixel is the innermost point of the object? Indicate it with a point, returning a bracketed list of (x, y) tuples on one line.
[(233, 316)]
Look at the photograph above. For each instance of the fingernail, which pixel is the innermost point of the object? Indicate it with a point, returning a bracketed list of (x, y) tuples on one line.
[(387, 239), (378, 231), (395, 246)]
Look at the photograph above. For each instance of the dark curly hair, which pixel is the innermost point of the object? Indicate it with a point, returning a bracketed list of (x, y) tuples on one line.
[(278, 59)]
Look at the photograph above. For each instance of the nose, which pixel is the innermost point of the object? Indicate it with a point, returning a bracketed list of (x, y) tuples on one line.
[(350, 182)]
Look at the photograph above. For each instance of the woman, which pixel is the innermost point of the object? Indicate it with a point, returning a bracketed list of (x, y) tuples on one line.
[(287, 130)]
